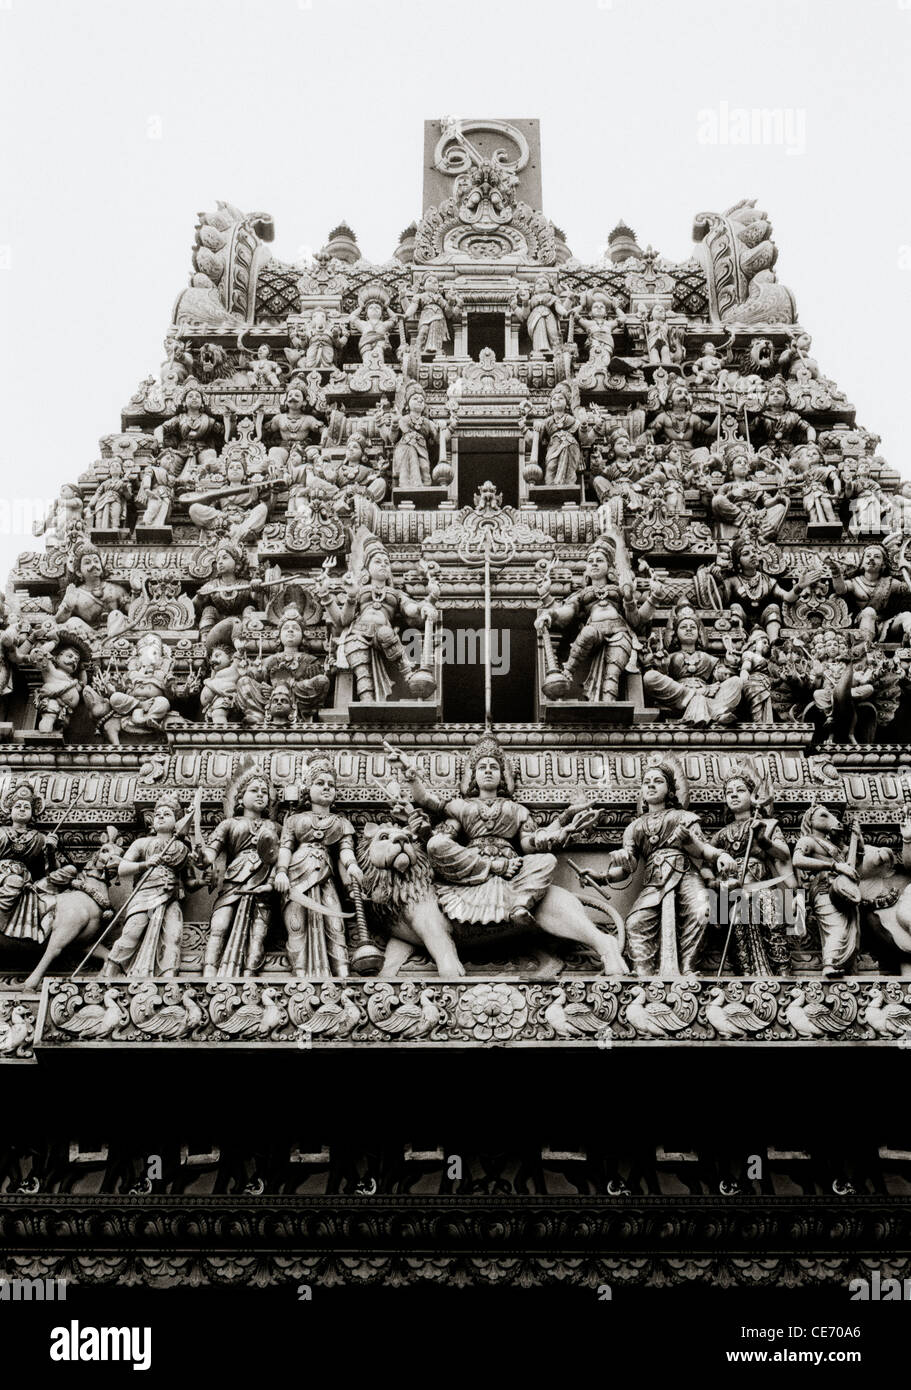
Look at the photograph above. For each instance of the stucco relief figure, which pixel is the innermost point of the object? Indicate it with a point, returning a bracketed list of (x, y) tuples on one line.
[(831, 858), (766, 911), (315, 856), (743, 501), (678, 422), (879, 599), (601, 317), (231, 590), (136, 700), (291, 426), (540, 309), (61, 662), (157, 483), (93, 597), (433, 308), (606, 618), (560, 433), (160, 870), (370, 615), (417, 439), (774, 423), (242, 851), (238, 508), (666, 926), (107, 505), (494, 867), (690, 682), (821, 485), (737, 582), (373, 327), (193, 432), (29, 872)]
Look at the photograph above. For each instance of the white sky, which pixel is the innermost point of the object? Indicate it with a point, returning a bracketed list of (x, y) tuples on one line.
[(313, 111)]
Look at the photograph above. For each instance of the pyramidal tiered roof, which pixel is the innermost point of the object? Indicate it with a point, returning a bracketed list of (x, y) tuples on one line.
[(474, 617)]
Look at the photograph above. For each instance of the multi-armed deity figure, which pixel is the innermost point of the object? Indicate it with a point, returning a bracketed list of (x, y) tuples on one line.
[(242, 850), (494, 866), (607, 618), (136, 700), (881, 601), (291, 426), (690, 681), (372, 326), (193, 433), (316, 851), (366, 616)]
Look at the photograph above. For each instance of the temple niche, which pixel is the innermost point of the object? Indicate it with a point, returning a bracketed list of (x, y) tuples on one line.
[(481, 645)]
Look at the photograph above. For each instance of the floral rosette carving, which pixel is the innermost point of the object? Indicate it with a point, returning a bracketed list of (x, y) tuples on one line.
[(494, 1012)]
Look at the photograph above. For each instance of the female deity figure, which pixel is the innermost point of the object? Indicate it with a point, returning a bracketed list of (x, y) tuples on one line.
[(149, 944), (494, 867), (618, 481), (745, 503), (323, 342), (156, 489), (28, 866), (371, 325), (756, 843), (243, 851), (433, 308), (694, 684), (880, 601), (563, 460), (666, 925), (90, 596), (299, 666), (366, 618), (415, 437), (192, 432), (742, 586), (292, 425), (108, 503), (826, 858), (230, 592), (774, 423), (608, 619), (821, 485), (870, 506), (317, 845), (235, 510), (678, 423), (539, 309)]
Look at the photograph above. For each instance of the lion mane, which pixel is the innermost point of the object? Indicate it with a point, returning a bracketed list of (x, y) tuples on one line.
[(390, 892)]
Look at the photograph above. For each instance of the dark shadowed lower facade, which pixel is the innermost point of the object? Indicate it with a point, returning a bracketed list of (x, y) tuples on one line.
[(455, 817)]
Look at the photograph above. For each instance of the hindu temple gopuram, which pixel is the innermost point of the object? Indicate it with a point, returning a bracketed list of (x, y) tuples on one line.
[(468, 683)]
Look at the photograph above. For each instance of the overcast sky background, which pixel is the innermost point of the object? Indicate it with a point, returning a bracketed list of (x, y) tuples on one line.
[(121, 120)]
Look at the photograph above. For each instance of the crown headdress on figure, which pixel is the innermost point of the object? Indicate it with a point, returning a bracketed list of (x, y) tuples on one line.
[(373, 293), (488, 747), (21, 789), (672, 769)]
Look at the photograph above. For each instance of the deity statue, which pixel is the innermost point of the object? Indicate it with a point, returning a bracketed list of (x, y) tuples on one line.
[(138, 699), (91, 596), (744, 502), (608, 618), (156, 489), (601, 323), (316, 850), (775, 424), (371, 325), (539, 309), (108, 503), (821, 485), (493, 866), (869, 503), (61, 662), (219, 701), (678, 423), (415, 437), (560, 431), (262, 373), (365, 616), (150, 940), (617, 481), (65, 519), (297, 669), (231, 591), (881, 602), (433, 308), (29, 873), (740, 584), (830, 859), (689, 681), (236, 510), (797, 355), (323, 341), (292, 425), (759, 915), (193, 433), (243, 850), (657, 336), (707, 369), (666, 926)]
